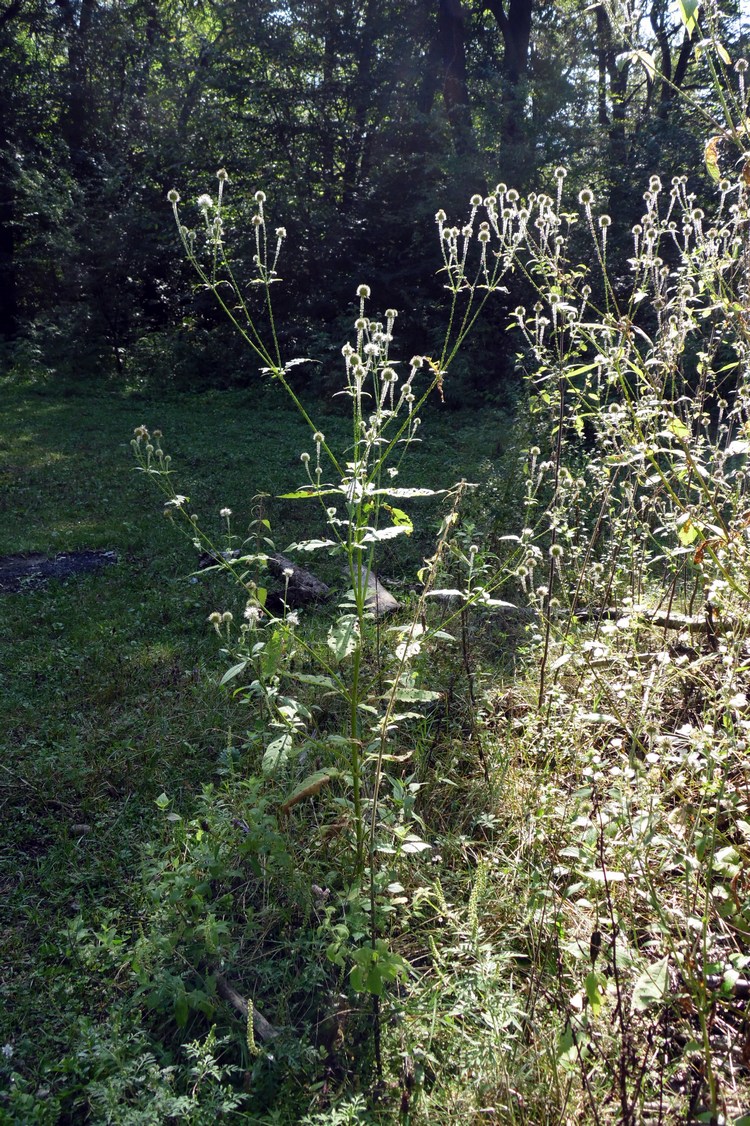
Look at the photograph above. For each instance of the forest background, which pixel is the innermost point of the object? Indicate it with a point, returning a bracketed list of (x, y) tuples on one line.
[(359, 121)]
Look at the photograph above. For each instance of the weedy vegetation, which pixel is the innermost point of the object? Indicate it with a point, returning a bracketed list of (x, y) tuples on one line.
[(484, 859)]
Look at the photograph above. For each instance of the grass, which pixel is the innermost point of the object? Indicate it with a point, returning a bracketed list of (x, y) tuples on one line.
[(576, 936), (109, 681)]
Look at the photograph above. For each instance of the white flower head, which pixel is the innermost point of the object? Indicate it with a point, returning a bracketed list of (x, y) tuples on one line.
[(205, 203)]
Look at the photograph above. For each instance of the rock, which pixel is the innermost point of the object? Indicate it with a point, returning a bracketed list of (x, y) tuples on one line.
[(379, 601), (302, 587)]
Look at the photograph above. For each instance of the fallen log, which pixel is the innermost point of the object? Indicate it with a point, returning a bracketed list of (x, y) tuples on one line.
[(262, 1028)]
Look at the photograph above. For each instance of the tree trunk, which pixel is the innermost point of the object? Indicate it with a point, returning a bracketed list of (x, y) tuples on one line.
[(451, 33)]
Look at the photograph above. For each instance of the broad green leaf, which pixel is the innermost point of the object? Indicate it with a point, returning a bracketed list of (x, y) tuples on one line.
[(651, 987), (181, 1007), (647, 62), (679, 429), (727, 861), (388, 533), (277, 752), (314, 679), (688, 10), (594, 985), (711, 157), (271, 655), (413, 844), (311, 545), (235, 670), (407, 494), (303, 494), (687, 533), (723, 54), (400, 518), (414, 695), (343, 636)]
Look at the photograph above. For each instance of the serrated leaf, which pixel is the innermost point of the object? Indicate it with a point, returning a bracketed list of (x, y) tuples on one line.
[(276, 753), (314, 679), (407, 494), (311, 545), (389, 533), (415, 695), (651, 987), (343, 636)]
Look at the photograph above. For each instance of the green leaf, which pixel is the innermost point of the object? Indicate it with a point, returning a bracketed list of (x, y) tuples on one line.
[(162, 801), (303, 494), (314, 679), (276, 753), (647, 62), (594, 987), (400, 518), (711, 157), (723, 54), (311, 545), (343, 636), (407, 494), (688, 10), (414, 695), (651, 987), (679, 429), (687, 532), (235, 670), (271, 655)]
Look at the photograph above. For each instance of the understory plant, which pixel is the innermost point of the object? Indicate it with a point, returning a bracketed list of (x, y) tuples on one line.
[(638, 566), (623, 805), (335, 721)]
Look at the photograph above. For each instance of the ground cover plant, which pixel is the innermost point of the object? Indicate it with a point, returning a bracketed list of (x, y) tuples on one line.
[(483, 860)]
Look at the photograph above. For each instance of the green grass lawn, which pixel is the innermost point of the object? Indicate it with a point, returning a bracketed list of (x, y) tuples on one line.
[(109, 680)]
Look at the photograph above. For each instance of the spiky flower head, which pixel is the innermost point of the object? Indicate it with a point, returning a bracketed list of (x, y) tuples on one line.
[(173, 196)]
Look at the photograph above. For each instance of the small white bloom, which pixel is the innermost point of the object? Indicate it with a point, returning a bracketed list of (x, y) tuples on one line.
[(225, 513), (205, 203), (292, 618)]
